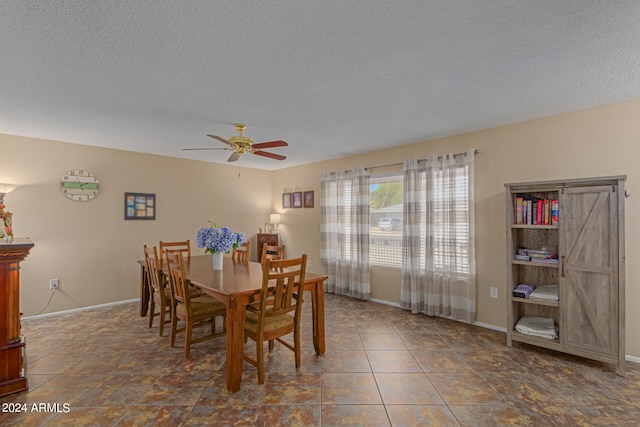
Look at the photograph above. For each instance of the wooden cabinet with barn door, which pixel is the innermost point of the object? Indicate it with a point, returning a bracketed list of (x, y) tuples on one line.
[(565, 267)]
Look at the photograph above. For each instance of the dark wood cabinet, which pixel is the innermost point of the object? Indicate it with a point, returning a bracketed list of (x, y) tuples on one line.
[(12, 344), (266, 239)]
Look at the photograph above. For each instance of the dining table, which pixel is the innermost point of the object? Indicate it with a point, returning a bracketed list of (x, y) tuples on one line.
[(236, 285)]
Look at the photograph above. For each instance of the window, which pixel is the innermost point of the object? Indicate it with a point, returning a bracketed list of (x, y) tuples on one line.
[(385, 234), (451, 221)]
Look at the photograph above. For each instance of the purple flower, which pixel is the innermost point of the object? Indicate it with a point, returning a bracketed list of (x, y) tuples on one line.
[(221, 239)]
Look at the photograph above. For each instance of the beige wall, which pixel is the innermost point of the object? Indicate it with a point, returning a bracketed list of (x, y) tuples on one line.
[(597, 142), (88, 245), (93, 251)]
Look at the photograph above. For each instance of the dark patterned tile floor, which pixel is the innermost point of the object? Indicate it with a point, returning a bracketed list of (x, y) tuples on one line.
[(383, 367)]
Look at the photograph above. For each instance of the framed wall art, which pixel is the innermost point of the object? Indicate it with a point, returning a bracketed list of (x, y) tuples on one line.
[(308, 199), (286, 200), (139, 206), (296, 201)]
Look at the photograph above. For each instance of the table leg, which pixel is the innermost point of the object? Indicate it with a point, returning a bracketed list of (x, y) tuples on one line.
[(235, 343), (317, 305)]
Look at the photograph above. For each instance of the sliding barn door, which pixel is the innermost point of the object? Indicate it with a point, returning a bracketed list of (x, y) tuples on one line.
[(589, 268)]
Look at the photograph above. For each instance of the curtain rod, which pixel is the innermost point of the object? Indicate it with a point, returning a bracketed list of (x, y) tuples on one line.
[(402, 163)]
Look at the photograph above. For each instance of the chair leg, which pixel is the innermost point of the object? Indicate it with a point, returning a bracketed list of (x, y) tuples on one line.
[(296, 346), (174, 326), (152, 308), (271, 345), (260, 360), (163, 310), (187, 339)]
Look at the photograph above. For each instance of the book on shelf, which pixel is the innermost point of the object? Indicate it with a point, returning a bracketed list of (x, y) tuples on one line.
[(545, 260), (547, 212), (540, 210), (531, 210), (548, 254), (519, 201)]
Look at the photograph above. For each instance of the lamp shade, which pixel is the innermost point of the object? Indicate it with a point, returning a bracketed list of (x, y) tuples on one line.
[(7, 188), (274, 218)]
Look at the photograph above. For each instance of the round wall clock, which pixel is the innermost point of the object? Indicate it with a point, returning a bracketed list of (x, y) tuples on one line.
[(79, 185)]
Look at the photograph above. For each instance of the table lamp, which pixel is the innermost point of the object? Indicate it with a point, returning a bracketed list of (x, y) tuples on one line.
[(6, 216), (274, 219)]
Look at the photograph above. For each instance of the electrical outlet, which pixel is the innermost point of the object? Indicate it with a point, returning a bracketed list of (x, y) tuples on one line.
[(493, 292), (54, 283)]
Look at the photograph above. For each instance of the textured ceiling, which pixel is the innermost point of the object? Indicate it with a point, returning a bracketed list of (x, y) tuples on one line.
[(331, 77)]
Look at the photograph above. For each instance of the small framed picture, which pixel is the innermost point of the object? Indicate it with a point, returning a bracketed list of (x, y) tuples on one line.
[(297, 199), (286, 200), (308, 199), (139, 206)]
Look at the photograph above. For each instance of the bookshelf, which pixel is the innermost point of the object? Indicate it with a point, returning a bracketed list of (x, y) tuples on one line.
[(578, 247)]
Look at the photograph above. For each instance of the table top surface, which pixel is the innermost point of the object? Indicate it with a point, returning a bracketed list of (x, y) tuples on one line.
[(235, 278)]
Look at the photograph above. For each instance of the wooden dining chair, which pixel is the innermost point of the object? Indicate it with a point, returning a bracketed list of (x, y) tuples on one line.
[(277, 312), (184, 247), (241, 253), (159, 293), (272, 252), (193, 311)]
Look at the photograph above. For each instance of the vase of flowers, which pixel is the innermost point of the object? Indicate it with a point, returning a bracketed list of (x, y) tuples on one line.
[(217, 241)]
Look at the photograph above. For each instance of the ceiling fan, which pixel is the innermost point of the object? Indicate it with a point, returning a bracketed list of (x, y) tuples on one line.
[(242, 144)]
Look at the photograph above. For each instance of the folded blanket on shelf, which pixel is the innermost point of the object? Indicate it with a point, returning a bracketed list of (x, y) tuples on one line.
[(523, 290), (546, 292), (543, 327)]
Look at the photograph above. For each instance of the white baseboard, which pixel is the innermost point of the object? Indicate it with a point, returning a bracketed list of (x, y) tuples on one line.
[(77, 310), (492, 327), (380, 301), (632, 359)]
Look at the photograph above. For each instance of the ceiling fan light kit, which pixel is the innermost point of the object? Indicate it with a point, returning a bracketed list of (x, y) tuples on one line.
[(241, 144)]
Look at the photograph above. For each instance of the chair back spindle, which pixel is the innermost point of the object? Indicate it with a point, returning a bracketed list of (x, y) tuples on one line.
[(241, 253)]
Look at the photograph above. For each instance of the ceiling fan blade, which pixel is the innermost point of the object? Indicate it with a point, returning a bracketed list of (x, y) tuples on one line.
[(270, 155), (234, 157), (209, 148), (271, 144), (221, 139)]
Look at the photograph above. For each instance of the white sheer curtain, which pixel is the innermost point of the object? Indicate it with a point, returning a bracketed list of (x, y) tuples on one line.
[(344, 256), (438, 271)]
